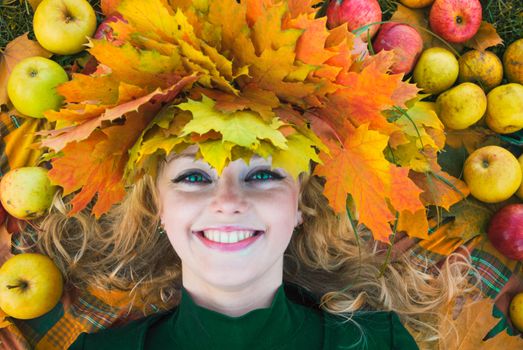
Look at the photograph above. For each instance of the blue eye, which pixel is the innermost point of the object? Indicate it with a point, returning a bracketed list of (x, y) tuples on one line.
[(197, 177), (264, 175), (192, 177)]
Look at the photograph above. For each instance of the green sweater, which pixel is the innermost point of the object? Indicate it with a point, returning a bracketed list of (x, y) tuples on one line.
[(293, 321)]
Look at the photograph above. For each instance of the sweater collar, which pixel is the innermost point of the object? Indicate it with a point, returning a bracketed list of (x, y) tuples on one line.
[(208, 328)]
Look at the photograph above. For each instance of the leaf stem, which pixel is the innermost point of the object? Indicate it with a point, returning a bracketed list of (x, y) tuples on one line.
[(362, 29), (406, 115), (389, 249), (447, 182)]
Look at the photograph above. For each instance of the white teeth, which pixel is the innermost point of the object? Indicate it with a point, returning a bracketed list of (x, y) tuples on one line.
[(227, 237)]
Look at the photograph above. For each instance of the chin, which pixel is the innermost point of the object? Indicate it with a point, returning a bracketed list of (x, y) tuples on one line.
[(229, 277)]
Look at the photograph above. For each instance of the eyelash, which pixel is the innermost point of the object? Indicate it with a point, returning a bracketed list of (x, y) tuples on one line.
[(183, 178)]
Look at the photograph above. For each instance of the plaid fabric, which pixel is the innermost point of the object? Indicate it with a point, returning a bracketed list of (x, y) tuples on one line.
[(494, 275)]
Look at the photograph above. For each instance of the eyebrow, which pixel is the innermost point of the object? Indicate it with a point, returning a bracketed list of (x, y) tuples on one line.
[(193, 154)]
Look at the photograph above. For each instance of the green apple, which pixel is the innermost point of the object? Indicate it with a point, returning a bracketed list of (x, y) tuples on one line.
[(62, 26), (26, 193), (30, 285), (32, 86)]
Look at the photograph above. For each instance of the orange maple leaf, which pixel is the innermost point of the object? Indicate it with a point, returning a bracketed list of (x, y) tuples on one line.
[(414, 224), (440, 188), (361, 170), (253, 98), (58, 139), (82, 87), (109, 6), (97, 164), (310, 47), (370, 92)]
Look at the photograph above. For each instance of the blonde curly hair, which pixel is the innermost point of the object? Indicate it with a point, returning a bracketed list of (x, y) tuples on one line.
[(345, 271)]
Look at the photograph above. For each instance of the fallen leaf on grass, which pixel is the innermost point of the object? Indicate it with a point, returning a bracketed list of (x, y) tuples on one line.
[(484, 38)]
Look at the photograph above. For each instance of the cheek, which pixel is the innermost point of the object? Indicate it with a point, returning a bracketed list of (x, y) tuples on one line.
[(178, 212), (279, 210)]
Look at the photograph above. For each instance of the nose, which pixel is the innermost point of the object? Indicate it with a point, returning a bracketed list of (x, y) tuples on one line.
[(229, 197)]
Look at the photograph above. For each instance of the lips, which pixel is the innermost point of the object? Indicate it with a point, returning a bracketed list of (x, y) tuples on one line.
[(228, 228), (249, 236)]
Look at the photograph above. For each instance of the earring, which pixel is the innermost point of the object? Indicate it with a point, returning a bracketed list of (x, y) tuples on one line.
[(160, 230)]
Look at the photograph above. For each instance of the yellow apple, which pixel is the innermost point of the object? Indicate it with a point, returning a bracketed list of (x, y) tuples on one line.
[(30, 285), (32, 86), (436, 71), (461, 106), (519, 193), (26, 193), (513, 62), (481, 67), (492, 173), (62, 26), (505, 108), (516, 311)]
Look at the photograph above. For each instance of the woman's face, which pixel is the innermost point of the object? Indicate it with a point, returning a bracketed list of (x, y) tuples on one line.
[(229, 230)]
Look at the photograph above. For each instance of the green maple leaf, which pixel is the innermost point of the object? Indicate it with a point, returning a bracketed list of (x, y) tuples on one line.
[(243, 128)]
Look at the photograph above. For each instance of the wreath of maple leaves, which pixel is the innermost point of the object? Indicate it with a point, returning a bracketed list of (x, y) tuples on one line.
[(243, 78)]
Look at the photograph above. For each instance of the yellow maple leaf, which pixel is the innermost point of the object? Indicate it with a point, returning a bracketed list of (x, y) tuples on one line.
[(296, 158)]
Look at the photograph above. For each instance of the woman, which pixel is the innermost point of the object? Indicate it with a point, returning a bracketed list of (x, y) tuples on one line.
[(191, 107), (295, 278)]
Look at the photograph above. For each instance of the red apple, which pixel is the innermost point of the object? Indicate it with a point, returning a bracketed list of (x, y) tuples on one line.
[(404, 40), (357, 13), (455, 20), (106, 31), (3, 214), (505, 231)]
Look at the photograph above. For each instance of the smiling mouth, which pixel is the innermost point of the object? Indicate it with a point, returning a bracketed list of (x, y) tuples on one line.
[(228, 237)]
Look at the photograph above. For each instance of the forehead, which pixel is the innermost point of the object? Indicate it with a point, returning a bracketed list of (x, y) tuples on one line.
[(189, 155)]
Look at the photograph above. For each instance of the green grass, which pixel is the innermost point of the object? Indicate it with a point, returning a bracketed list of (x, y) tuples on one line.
[(506, 15), (15, 19)]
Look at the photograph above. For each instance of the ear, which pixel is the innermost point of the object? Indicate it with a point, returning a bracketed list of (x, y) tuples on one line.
[(299, 218)]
